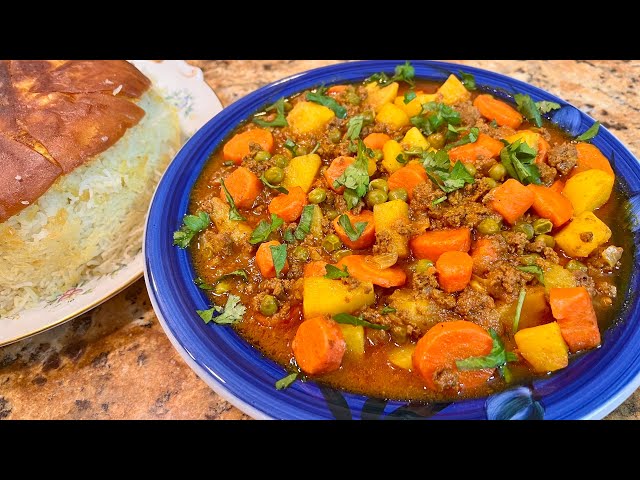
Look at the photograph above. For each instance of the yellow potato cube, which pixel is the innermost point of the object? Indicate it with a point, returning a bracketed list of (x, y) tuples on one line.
[(307, 117), (390, 152), (402, 356), (588, 190), (556, 276), (391, 115), (527, 136), (534, 308), (414, 107), (543, 347), (301, 171), (414, 139), (418, 309), (387, 217), (453, 91), (354, 338), (583, 235), (323, 296), (378, 96)]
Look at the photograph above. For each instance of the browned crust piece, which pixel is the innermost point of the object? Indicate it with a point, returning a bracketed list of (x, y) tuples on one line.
[(55, 115)]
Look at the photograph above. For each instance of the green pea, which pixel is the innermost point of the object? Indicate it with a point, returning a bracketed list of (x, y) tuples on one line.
[(423, 266), (530, 259), (548, 240), (274, 175), (525, 228), (436, 140), (350, 197), (398, 194), (300, 254), (375, 197), (317, 195), (471, 168), (491, 182), (341, 254), (575, 266), (542, 225), (497, 172), (262, 156), (379, 184), (221, 287), (301, 150), (368, 117), (377, 155), (280, 160), (268, 305), (335, 135), (488, 226), (287, 106), (353, 98), (331, 213), (331, 243)]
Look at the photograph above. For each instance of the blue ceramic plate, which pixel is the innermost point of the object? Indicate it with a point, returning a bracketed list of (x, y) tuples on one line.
[(591, 387)]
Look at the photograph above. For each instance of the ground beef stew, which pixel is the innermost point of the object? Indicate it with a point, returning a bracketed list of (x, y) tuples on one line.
[(408, 239)]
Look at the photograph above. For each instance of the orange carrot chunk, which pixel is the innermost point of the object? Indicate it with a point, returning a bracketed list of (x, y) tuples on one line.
[(484, 254), (573, 309), (315, 269), (264, 260), (589, 157), (365, 269), (454, 271), (337, 168), (483, 148), (434, 243), (434, 358), (511, 200), (239, 146), (244, 187), (543, 150), (288, 206), (557, 186), (408, 177), (551, 204), (336, 89), (493, 109), (376, 141), (368, 236), (318, 346)]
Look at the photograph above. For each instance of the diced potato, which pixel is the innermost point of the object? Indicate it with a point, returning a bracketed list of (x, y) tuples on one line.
[(556, 276), (371, 166), (543, 347), (402, 356), (301, 172), (527, 136), (414, 107), (316, 223), (390, 151), (414, 139), (588, 190), (307, 117), (323, 296), (240, 232), (391, 115), (583, 235), (354, 338), (535, 309), (379, 96), (416, 308), (387, 217), (453, 91)]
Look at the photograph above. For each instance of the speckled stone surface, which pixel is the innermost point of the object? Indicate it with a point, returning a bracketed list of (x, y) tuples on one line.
[(116, 363)]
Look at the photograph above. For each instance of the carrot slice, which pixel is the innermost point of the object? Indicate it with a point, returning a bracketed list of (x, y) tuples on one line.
[(543, 149), (493, 109), (365, 269), (337, 168), (511, 200), (239, 146), (551, 204), (376, 141), (318, 346), (336, 89), (288, 206), (315, 269), (244, 187), (557, 186), (589, 157), (408, 177), (434, 243), (437, 351), (484, 147), (454, 271), (264, 260), (573, 309), (368, 236)]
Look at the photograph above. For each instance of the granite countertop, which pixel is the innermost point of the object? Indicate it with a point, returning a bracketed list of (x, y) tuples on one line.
[(115, 361)]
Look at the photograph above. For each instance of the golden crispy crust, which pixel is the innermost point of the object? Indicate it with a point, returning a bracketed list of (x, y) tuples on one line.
[(55, 115)]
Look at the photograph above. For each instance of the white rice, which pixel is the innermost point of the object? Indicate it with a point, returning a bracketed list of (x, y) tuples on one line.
[(90, 222)]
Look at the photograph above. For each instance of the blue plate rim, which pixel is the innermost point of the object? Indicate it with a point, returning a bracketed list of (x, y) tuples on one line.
[(199, 142)]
